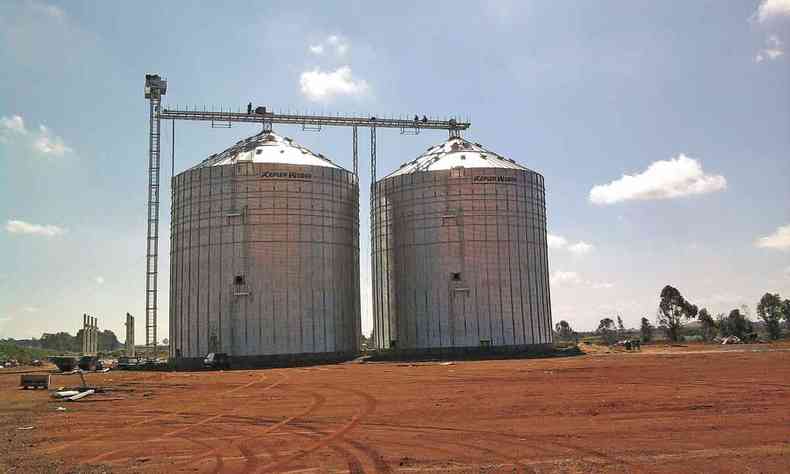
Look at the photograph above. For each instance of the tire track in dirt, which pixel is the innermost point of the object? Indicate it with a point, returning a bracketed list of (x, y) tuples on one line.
[(379, 463), (106, 457), (251, 459), (144, 421), (497, 454), (492, 454), (353, 462), (220, 463), (367, 409), (318, 401), (451, 454), (545, 441), (252, 462), (342, 441)]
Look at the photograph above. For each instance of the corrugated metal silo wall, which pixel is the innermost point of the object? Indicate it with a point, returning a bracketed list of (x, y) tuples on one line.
[(460, 256), (264, 261)]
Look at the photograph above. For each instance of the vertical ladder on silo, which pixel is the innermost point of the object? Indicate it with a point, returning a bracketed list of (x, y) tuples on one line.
[(155, 88)]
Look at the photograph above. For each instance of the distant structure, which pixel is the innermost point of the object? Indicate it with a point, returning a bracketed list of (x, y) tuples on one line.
[(130, 335), (265, 256), (460, 254), (90, 335)]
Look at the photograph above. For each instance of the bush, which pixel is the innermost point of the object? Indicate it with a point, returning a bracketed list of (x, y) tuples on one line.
[(24, 355)]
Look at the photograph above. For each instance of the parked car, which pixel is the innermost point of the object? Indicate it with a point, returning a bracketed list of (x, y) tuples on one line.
[(217, 360), (64, 363), (89, 363), (127, 363)]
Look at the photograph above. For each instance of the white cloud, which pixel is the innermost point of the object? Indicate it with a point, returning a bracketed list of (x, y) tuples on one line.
[(334, 43), (48, 144), (779, 240), (99, 280), (663, 179), (564, 278), (772, 9), (321, 86), (51, 11), (22, 227), (769, 54), (339, 44), (13, 124), (556, 241), (42, 141), (773, 50), (580, 248)]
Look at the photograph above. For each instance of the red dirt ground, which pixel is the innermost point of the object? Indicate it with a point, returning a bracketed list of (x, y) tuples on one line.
[(681, 409)]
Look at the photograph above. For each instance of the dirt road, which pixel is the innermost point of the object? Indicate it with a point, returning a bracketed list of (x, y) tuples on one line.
[(692, 409)]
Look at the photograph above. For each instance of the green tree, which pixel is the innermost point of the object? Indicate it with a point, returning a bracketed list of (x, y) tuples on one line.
[(61, 341), (673, 309), (564, 331), (108, 341), (606, 329), (786, 311), (646, 330), (771, 310), (707, 324), (735, 324), (620, 327)]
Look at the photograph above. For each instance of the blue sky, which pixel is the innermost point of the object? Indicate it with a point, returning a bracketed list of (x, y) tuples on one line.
[(691, 100)]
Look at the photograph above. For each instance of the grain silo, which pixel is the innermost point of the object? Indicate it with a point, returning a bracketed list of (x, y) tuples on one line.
[(460, 253), (264, 256)]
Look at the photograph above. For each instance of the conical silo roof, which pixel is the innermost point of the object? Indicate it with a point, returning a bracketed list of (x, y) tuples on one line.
[(454, 153), (268, 147)]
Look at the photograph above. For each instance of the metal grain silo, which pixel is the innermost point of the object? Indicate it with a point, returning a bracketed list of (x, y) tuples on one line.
[(264, 255), (460, 254)]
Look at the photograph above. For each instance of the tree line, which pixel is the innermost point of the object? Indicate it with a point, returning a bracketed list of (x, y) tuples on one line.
[(65, 342), (674, 311)]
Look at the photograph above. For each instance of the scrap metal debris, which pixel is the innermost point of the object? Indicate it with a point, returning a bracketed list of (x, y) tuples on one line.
[(65, 393), (80, 395)]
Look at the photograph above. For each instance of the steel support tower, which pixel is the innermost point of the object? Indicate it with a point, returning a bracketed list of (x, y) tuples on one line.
[(156, 87)]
